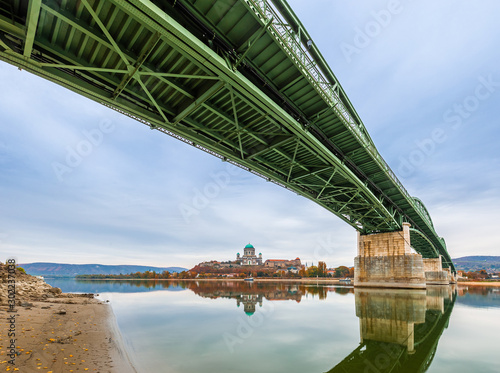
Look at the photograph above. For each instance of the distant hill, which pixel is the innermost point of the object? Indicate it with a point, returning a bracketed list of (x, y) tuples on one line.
[(476, 263), (71, 270)]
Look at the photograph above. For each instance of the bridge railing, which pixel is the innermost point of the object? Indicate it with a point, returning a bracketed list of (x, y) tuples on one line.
[(291, 43)]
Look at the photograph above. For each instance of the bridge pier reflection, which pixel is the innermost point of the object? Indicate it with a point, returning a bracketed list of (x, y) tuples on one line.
[(399, 330), (390, 316)]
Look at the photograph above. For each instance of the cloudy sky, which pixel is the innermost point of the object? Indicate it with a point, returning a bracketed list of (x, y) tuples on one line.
[(424, 77)]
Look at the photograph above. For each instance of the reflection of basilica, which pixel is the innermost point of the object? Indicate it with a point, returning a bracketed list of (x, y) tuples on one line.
[(249, 302), (399, 330), (250, 294)]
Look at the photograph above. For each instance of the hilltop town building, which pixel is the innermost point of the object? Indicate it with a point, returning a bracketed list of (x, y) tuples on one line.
[(282, 263), (249, 258)]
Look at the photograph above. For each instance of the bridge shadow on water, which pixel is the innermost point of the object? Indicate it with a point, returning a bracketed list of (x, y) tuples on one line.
[(399, 330)]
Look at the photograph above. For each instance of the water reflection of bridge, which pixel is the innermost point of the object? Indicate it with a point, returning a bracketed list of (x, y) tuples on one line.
[(399, 330)]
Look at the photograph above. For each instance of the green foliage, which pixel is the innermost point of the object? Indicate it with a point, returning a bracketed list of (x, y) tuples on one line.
[(312, 271), (477, 275), (341, 271), (20, 269), (321, 269)]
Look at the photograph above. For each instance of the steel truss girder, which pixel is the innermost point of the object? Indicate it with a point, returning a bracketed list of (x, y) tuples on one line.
[(134, 69), (31, 26), (423, 244), (173, 34), (252, 42), (198, 102)]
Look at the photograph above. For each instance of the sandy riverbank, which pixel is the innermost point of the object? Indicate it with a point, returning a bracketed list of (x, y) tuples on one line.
[(479, 283), (58, 332)]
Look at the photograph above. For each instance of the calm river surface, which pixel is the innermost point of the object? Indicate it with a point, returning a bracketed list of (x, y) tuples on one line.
[(208, 326)]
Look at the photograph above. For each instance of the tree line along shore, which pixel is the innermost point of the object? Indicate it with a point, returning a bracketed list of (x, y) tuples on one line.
[(256, 272), (260, 273)]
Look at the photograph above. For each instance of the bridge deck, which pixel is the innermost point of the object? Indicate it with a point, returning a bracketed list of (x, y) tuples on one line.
[(240, 79)]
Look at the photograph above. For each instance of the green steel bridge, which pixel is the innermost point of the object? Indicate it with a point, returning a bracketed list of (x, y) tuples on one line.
[(239, 79)]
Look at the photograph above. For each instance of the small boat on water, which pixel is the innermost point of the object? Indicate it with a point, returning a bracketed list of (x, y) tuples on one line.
[(248, 278), (345, 280)]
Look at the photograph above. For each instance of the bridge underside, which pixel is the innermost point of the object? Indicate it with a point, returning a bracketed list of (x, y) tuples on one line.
[(231, 78)]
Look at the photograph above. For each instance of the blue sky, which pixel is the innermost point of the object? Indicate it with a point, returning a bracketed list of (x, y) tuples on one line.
[(423, 76)]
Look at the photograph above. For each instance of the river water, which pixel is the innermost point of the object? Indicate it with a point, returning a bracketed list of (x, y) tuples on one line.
[(212, 326)]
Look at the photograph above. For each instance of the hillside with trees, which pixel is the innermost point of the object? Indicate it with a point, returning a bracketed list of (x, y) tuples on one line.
[(72, 270), (490, 264)]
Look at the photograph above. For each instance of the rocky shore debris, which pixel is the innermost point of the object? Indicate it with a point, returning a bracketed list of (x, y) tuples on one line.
[(28, 288), (32, 289)]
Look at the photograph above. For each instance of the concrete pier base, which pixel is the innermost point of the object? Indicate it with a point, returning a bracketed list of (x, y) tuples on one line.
[(434, 273), (451, 276), (385, 260)]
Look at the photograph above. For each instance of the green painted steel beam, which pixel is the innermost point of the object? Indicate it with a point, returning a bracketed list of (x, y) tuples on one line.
[(252, 42), (198, 102), (155, 38), (153, 69), (76, 24), (423, 244), (104, 29), (84, 68), (31, 26), (13, 28)]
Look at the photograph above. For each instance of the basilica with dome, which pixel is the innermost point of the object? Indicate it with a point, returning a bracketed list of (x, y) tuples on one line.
[(249, 258)]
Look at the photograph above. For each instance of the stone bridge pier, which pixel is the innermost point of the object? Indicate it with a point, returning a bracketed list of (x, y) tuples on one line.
[(451, 276), (385, 260), (434, 273)]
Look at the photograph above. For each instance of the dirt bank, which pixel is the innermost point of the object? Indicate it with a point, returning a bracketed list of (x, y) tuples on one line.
[(56, 332), (478, 283)]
